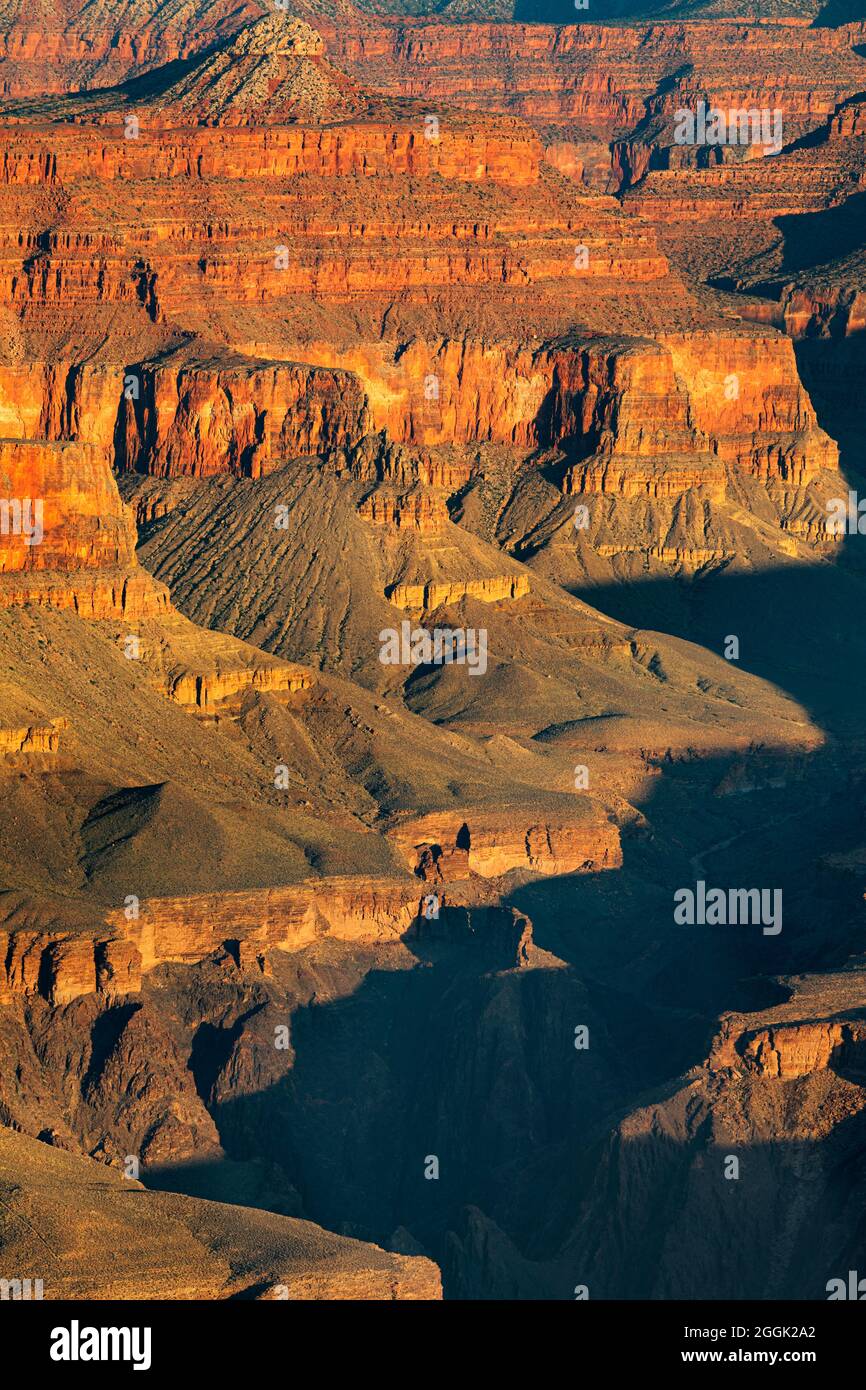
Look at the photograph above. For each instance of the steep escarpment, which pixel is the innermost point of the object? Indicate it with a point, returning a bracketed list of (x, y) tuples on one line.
[(589, 86), (254, 1044), (454, 225), (67, 541), (233, 414), (414, 575), (759, 1141)]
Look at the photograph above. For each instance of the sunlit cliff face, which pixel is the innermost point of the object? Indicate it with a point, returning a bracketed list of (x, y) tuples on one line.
[(430, 651)]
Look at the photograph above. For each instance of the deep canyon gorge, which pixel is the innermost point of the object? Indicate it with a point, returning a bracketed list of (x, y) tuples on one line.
[(331, 319)]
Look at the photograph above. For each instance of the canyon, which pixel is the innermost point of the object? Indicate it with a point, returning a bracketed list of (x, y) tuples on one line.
[(322, 318)]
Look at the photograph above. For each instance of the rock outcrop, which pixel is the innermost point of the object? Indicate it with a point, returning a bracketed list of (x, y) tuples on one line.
[(66, 539), (442, 847), (204, 417), (425, 598), (61, 966)]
